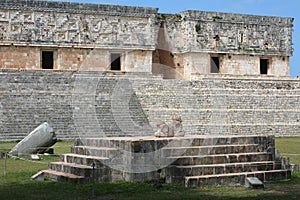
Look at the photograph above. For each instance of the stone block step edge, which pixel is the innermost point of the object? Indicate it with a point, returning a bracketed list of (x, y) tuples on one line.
[(217, 155), (246, 174), (58, 176), (213, 146), (63, 156), (72, 165), (223, 165)]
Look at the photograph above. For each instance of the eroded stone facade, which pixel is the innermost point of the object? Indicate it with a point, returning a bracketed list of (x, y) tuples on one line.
[(81, 36), (84, 37), (238, 41)]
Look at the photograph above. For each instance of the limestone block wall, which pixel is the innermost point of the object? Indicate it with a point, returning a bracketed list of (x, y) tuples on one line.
[(240, 64), (238, 40), (231, 64), (16, 57), (98, 104), (138, 61), (73, 31), (225, 106), (30, 98), (280, 66), (83, 37), (74, 59), (250, 65)]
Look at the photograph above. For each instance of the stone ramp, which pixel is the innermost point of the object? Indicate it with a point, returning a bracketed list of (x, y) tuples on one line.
[(190, 160)]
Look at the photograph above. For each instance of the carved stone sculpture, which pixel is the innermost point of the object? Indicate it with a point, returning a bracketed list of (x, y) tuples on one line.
[(164, 130), (171, 130), (176, 125)]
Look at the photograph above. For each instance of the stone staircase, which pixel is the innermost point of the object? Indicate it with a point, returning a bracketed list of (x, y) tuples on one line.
[(99, 104), (190, 160), (224, 105)]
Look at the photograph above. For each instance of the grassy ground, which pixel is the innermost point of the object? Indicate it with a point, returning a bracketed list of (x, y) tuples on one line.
[(290, 147), (17, 184)]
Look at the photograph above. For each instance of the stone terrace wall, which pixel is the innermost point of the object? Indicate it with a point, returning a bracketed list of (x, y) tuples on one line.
[(125, 104), (226, 106), (28, 98)]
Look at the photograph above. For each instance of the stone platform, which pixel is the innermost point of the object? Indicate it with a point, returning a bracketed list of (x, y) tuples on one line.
[(190, 160)]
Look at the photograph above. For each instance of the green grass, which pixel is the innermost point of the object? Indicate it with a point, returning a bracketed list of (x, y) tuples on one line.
[(17, 184), (290, 147)]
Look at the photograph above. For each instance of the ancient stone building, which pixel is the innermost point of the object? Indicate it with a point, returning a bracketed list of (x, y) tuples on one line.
[(99, 70), (89, 37)]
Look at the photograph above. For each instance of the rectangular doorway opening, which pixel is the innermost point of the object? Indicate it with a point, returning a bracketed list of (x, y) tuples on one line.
[(115, 62), (214, 65), (47, 60), (264, 65)]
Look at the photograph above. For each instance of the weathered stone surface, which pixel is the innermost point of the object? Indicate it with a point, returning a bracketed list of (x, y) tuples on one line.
[(175, 128), (164, 130), (40, 176), (253, 182), (131, 161), (83, 36), (212, 105), (176, 125), (82, 25), (37, 141), (235, 33)]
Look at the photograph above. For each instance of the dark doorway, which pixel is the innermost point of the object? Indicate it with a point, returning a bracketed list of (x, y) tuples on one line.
[(214, 65), (264, 65), (47, 60), (115, 61)]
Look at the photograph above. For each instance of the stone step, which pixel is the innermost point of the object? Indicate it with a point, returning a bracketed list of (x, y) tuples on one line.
[(83, 159), (209, 150), (63, 177), (245, 101), (200, 170), (71, 168), (95, 151), (236, 178), (151, 143), (172, 151), (221, 158), (102, 173), (109, 142)]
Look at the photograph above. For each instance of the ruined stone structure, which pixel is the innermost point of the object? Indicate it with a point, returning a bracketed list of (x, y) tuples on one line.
[(61, 36), (191, 161), (213, 105), (89, 37), (72, 74), (98, 72)]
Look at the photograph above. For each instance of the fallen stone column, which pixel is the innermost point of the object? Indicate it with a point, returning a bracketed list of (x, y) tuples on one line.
[(36, 142)]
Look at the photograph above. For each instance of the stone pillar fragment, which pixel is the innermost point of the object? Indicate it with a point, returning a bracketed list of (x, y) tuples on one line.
[(36, 142)]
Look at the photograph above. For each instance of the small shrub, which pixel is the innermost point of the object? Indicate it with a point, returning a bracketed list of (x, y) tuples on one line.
[(178, 16), (217, 18), (163, 17), (197, 27)]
